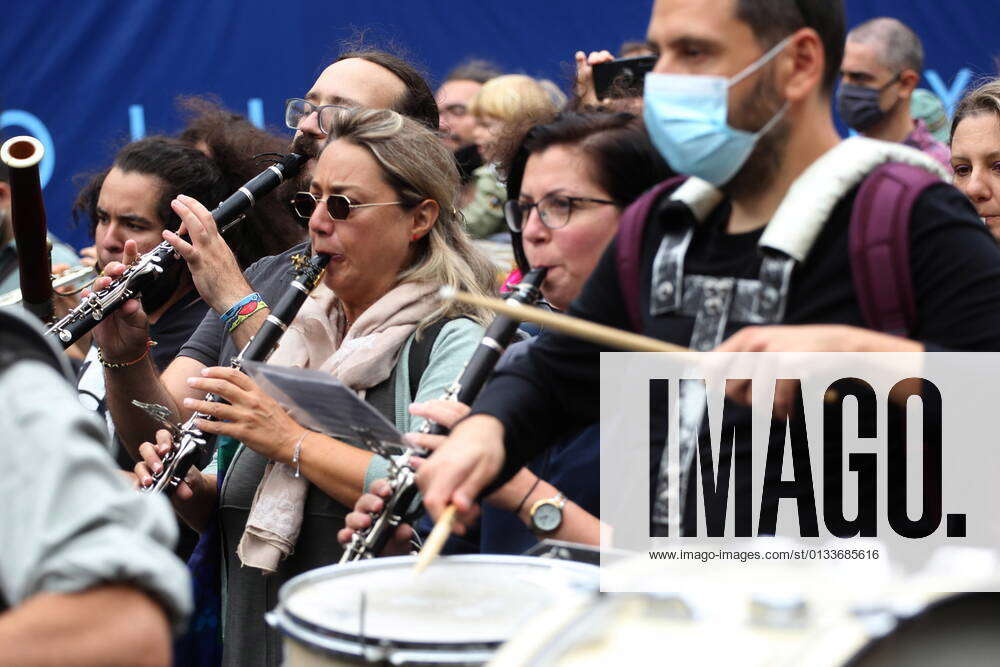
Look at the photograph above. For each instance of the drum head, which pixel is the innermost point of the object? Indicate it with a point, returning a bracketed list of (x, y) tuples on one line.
[(459, 603)]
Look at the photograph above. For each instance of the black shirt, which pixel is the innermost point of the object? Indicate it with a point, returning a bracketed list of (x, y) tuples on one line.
[(955, 264)]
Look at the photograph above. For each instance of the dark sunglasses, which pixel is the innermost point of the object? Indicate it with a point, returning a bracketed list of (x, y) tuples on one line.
[(338, 206)]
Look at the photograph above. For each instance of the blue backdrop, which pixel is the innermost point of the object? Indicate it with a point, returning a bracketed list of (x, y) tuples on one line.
[(85, 76)]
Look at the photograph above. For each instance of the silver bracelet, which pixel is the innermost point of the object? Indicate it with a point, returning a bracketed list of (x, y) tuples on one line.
[(298, 451)]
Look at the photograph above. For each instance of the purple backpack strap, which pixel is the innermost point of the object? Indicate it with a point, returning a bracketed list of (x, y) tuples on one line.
[(879, 238), (629, 246)]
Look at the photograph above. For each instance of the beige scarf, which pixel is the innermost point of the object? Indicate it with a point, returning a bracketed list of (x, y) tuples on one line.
[(362, 359)]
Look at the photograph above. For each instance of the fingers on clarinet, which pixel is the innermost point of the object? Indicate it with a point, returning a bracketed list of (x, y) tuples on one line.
[(142, 474), (344, 535), (164, 441), (425, 440), (223, 388), (150, 457), (369, 502), (184, 491), (201, 219), (380, 487), (357, 520), (131, 307), (183, 248), (231, 375)]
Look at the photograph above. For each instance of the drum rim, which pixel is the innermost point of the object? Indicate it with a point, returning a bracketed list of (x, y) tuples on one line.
[(336, 642)]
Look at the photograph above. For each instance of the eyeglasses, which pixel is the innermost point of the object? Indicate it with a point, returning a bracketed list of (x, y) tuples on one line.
[(554, 210), (338, 206), (296, 109)]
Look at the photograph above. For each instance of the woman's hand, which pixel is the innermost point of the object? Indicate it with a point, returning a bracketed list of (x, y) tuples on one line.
[(361, 518), (152, 463), (214, 269), (251, 416), (123, 335)]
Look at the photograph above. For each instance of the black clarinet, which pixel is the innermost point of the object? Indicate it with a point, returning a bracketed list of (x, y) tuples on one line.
[(94, 308), (191, 445), (370, 542)]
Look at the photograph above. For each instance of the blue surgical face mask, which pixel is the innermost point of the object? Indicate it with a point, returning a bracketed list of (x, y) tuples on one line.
[(687, 119)]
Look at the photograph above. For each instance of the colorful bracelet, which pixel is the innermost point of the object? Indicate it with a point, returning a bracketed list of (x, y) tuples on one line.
[(243, 309), (150, 343), (234, 311)]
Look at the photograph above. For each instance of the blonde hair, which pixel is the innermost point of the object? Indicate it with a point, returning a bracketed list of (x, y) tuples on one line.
[(513, 98), (984, 99), (418, 167)]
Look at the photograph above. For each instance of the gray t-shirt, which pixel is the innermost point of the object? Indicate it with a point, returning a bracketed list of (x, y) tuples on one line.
[(269, 276), (68, 520)]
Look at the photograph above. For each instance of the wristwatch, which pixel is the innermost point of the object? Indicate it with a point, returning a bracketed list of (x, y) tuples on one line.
[(547, 515)]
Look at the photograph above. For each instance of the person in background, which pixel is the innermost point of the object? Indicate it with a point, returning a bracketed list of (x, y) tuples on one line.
[(927, 107), (636, 49), (458, 125), (975, 151), (883, 59), (503, 107)]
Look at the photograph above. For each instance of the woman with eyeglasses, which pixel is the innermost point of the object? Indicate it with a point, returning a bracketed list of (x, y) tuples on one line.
[(381, 203), (569, 183)]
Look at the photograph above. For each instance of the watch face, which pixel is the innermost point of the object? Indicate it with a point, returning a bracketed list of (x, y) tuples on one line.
[(547, 518)]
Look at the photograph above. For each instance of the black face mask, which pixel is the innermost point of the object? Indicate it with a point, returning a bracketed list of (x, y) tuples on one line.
[(858, 106), (468, 160)]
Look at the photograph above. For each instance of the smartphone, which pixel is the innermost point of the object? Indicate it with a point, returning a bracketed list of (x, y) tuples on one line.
[(623, 77)]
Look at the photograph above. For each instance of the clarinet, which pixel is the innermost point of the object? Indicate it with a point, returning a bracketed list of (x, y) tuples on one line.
[(93, 309), (370, 542), (191, 445)]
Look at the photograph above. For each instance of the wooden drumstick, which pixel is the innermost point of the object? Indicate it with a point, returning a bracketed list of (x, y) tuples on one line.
[(435, 541), (573, 326)]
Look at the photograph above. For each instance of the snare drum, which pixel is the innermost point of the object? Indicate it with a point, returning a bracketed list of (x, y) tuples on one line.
[(455, 613), (810, 616)]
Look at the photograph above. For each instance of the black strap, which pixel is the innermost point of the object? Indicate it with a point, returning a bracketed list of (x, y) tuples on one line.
[(382, 396), (420, 353)]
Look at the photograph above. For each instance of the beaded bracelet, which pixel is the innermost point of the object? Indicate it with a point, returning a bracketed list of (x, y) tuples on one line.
[(150, 343), (242, 310)]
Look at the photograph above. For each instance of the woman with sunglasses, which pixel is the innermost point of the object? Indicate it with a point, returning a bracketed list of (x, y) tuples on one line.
[(569, 183), (382, 204)]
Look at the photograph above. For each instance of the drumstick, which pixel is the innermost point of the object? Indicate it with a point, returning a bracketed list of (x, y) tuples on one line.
[(573, 326), (435, 541)]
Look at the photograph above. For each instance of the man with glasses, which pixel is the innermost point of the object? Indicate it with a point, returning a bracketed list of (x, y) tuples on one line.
[(481, 194), (883, 59), (358, 78)]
